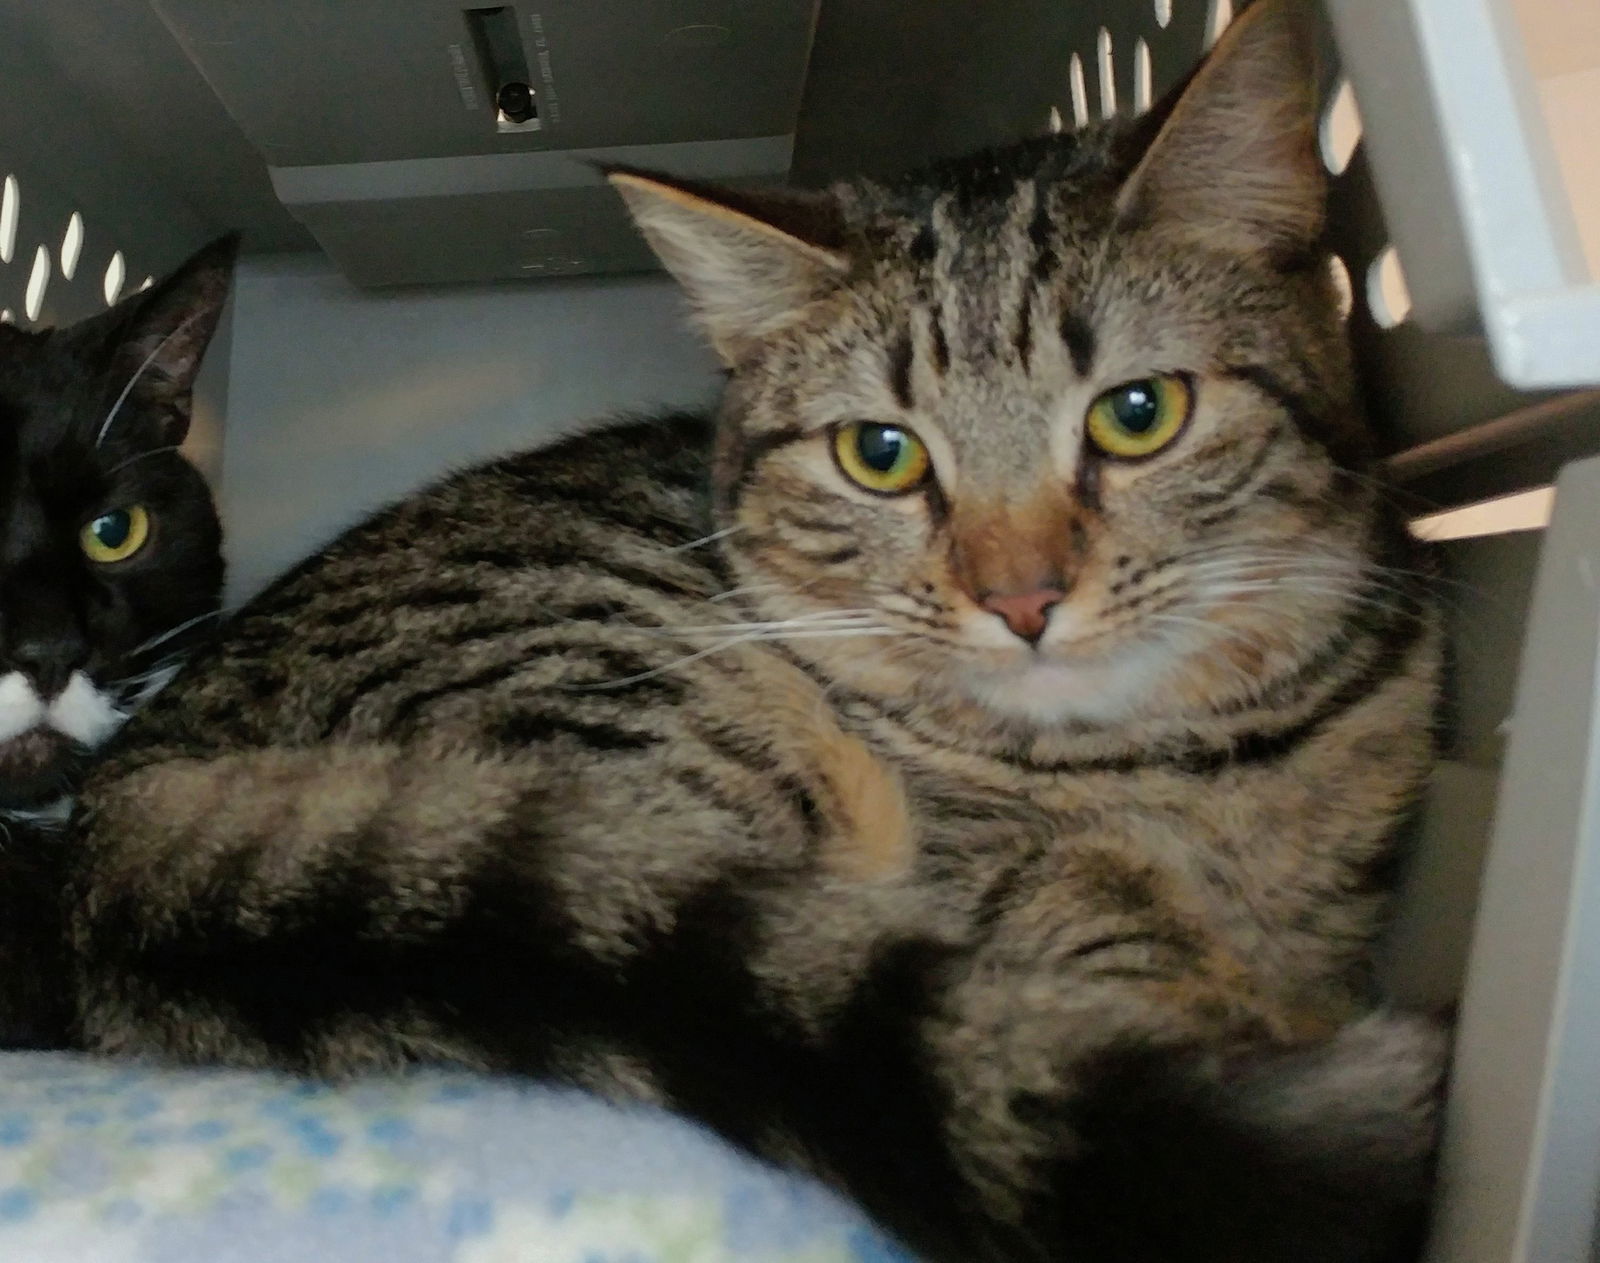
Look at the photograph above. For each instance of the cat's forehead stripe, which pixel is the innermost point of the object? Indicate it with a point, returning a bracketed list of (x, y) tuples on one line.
[(996, 267), (1079, 336), (900, 362)]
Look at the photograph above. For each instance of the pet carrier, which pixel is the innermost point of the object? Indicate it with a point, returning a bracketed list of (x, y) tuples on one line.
[(402, 167)]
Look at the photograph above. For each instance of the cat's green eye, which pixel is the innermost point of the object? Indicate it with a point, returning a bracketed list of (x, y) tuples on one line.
[(1139, 418), (115, 536), (881, 458)]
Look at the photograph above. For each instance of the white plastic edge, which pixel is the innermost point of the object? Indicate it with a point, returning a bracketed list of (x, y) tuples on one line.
[(1541, 311), (1520, 1169), (1537, 303)]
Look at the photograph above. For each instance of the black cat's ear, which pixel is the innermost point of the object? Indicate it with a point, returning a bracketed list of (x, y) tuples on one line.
[(748, 260), (164, 334), (1235, 163)]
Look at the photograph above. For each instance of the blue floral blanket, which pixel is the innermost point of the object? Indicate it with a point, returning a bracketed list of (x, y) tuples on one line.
[(105, 1162)]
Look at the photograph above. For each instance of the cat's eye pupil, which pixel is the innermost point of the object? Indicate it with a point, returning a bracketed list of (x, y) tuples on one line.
[(1137, 407), (112, 529), (881, 447)]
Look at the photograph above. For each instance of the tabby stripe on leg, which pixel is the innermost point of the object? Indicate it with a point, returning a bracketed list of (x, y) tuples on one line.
[(529, 727), (708, 789)]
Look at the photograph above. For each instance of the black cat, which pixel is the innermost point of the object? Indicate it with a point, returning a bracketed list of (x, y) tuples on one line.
[(110, 569), (110, 548)]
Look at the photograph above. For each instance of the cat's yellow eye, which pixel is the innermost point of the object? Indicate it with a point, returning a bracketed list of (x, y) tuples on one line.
[(881, 458), (115, 536), (1139, 418)]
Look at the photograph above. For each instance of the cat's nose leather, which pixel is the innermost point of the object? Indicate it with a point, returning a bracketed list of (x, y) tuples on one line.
[(48, 664), (1026, 613)]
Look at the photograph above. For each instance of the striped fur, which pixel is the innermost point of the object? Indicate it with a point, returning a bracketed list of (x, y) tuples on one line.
[(668, 763)]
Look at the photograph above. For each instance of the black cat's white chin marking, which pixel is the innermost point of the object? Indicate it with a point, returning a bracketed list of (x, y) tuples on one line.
[(80, 711), (41, 737)]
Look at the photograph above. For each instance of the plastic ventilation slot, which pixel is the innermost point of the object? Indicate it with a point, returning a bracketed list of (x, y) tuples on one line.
[(38, 283), (1143, 75), (71, 246), (1341, 129), (10, 196), (1388, 297), (116, 273), (1080, 92), (1217, 20), (1108, 76), (1502, 515)]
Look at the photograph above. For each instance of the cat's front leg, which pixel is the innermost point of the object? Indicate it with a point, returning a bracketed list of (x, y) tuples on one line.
[(348, 904), (1120, 1090), (35, 993)]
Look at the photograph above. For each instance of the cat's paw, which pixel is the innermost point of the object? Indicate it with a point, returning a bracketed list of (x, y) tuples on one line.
[(1320, 1153), (1368, 1097)]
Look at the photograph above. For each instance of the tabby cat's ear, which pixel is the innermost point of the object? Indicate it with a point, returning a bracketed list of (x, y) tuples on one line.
[(168, 327), (1235, 163), (748, 260)]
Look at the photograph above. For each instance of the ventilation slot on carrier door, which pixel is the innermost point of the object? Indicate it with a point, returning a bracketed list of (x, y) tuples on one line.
[(504, 61)]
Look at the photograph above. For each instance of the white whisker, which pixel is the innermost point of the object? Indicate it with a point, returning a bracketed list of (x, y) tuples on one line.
[(829, 631), (728, 644), (706, 539), (799, 620), (171, 632), (731, 593), (155, 451), (167, 664), (803, 623)]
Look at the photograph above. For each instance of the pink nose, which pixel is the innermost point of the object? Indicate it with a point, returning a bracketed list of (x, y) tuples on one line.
[(1025, 613)]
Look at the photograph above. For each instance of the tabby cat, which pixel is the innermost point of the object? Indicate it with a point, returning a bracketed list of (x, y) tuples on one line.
[(110, 551), (981, 795)]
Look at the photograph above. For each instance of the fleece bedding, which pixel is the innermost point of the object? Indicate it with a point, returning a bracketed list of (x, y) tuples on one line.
[(106, 1162)]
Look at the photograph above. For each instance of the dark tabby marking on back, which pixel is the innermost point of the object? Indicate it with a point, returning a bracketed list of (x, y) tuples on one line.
[(1007, 856)]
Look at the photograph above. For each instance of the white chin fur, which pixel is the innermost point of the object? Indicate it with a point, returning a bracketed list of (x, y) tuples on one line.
[(20, 708), (1047, 689), (79, 711), (1046, 692), (84, 713)]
